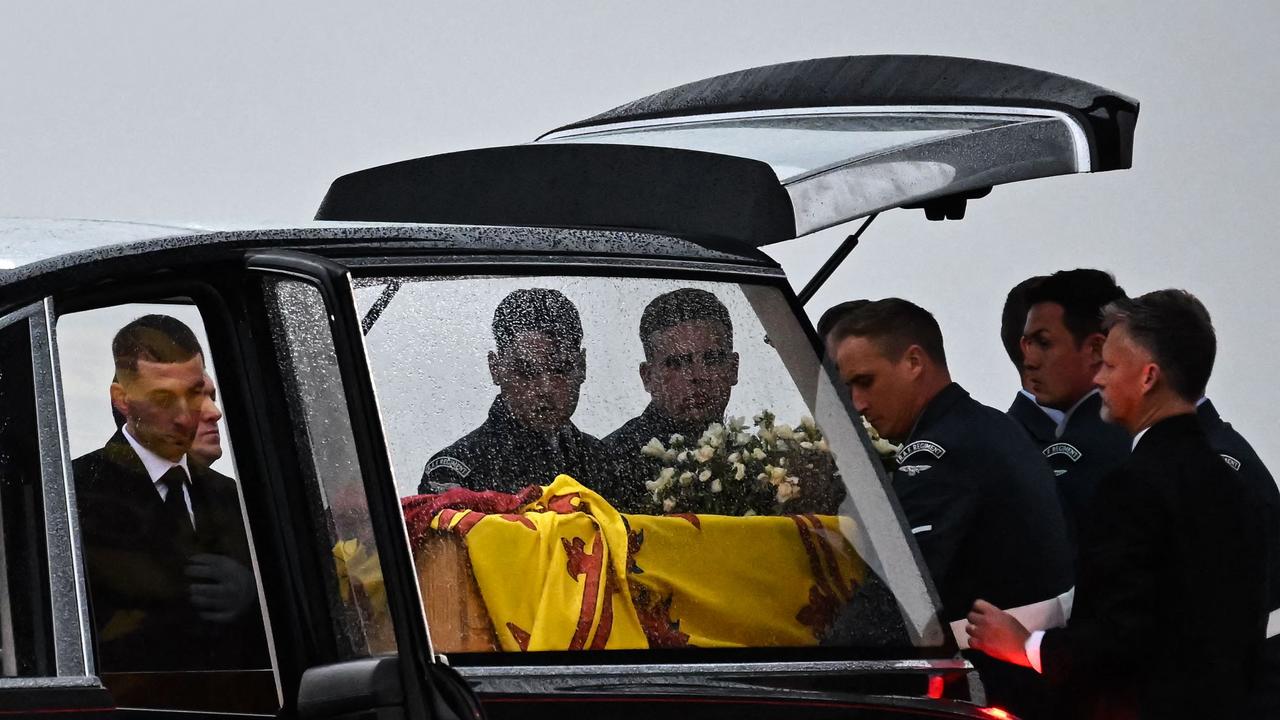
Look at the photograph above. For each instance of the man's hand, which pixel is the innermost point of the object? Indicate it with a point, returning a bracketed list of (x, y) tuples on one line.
[(221, 588), (997, 633)]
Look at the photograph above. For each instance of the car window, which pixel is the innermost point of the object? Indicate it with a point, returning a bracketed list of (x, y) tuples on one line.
[(314, 390), (25, 640), (592, 463), (173, 583)]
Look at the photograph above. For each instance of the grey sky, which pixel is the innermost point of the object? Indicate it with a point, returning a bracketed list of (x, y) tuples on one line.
[(209, 112)]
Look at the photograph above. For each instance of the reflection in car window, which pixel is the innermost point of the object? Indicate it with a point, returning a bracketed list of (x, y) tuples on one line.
[(620, 463), (171, 577), (314, 389)]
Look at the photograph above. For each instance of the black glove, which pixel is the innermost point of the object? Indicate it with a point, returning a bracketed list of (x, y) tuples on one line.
[(221, 589)]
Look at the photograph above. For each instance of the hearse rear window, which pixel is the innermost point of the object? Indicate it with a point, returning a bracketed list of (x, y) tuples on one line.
[(591, 463)]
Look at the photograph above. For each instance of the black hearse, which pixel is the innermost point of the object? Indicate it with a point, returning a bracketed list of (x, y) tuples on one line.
[(349, 352)]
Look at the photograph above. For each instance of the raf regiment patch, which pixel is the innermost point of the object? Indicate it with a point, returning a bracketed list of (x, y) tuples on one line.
[(913, 470), (449, 463), (932, 448), (1063, 449), (1234, 463)]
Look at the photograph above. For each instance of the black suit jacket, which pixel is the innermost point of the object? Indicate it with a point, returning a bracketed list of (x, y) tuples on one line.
[(138, 589), (1168, 613)]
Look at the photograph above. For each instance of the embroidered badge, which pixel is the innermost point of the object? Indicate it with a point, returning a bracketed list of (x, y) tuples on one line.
[(1234, 463), (1063, 449), (932, 448), (449, 463), (914, 470), (1059, 473)]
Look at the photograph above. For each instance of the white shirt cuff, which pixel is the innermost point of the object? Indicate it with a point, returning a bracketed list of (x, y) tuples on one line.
[(1033, 649)]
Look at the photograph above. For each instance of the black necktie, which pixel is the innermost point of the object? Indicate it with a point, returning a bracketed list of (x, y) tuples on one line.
[(175, 505)]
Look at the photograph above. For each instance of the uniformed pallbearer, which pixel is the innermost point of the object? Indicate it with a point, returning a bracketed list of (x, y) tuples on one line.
[(1062, 351), (977, 493), (539, 366), (1038, 420)]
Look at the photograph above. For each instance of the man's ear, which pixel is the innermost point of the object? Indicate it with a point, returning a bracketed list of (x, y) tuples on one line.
[(646, 375), (118, 400), (495, 368), (1151, 375), (733, 369), (914, 358), (1094, 344)]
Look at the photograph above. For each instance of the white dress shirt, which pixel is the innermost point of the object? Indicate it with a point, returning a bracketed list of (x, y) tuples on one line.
[(156, 468)]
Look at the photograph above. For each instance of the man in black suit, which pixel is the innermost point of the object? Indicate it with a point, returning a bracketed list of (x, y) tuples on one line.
[(1038, 420), (1168, 616), (166, 549)]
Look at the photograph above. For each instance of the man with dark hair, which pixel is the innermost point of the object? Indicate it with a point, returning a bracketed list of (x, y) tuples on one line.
[(166, 549), (689, 370), (539, 366), (833, 315), (1168, 616), (1038, 420), (977, 493), (1062, 350)]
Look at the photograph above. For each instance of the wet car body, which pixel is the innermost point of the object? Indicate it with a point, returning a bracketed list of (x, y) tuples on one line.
[(576, 204)]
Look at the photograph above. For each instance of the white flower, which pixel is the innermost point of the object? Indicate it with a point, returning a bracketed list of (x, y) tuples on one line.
[(781, 445), (776, 474), (705, 453), (739, 471), (784, 431), (821, 445), (879, 444), (653, 448), (713, 436), (806, 445), (668, 505), (716, 486), (758, 454), (807, 423), (735, 458), (669, 456), (737, 423), (686, 478), (741, 438), (665, 476), (684, 455), (677, 439), (749, 513), (704, 476), (786, 491), (767, 436)]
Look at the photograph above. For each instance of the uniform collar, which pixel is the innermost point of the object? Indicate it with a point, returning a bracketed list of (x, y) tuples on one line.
[(1056, 415), (1182, 424), (938, 407), (1085, 402), (1207, 412), (665, 426), (501, 418), (155, 465)]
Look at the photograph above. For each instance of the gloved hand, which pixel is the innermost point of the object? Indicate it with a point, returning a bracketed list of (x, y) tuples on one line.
[(221, 589)]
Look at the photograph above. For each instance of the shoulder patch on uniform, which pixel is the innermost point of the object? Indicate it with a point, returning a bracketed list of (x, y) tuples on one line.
[(914, 470), (1234, 463), (449, 463), (932, 448), (1064, 449)]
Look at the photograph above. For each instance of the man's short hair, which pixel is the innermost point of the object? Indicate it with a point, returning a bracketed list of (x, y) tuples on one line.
[(537, 310), (1176, 329), (1014, 318), (682, 306), (835, 314), (895, 325), (153, 338), (1082, 293)]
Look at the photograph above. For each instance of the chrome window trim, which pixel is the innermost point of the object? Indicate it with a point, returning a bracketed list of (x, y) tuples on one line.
[(69, 607), (1080, 138), (756, 669), (74, 681)]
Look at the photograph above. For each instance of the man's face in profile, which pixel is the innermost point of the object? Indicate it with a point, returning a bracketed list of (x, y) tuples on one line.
[(207, 446), (1058, 370), (161, 404), (1124, 378), (540, 377), (882, 389), (692, 370)]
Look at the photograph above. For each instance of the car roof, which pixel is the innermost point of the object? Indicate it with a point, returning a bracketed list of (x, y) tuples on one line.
[(30, 247)]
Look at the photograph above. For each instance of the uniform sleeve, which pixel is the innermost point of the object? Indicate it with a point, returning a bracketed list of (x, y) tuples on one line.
[(1115, 635), (442, 472), (940, 506)]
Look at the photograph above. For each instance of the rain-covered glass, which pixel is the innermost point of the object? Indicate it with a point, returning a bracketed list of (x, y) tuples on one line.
[(322, 429), (604, 463), (794, 145)]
